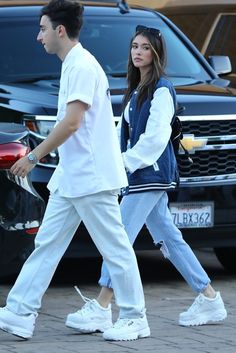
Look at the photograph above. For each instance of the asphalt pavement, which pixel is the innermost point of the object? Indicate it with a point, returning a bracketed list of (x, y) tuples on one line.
[(166, 296)]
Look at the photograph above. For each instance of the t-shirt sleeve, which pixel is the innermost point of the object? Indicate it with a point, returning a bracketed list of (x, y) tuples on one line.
[(82, 84)]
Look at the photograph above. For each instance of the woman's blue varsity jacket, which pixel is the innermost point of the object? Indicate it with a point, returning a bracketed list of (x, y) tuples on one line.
[(146, 179)]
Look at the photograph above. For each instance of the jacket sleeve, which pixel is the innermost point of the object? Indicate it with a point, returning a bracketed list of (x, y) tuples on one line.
[(155, 138)]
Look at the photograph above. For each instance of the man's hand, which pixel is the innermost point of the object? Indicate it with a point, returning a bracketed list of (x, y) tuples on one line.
[(22, 167)]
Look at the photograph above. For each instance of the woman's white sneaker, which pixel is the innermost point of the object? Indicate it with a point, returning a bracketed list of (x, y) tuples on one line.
[(204, 311), (92, 317), (128, 329), (18, 325)]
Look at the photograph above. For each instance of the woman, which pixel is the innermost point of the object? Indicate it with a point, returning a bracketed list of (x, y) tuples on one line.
[(150, 103)]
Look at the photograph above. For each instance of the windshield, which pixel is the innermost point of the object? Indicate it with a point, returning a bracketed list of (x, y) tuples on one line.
[(109, 42), (23, 58)]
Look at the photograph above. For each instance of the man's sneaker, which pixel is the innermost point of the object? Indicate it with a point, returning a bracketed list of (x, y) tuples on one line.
[(92, 317), (128, 329), (204, 311), (18, 325)]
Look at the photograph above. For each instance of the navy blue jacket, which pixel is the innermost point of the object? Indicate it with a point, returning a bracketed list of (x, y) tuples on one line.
[(149, 178)]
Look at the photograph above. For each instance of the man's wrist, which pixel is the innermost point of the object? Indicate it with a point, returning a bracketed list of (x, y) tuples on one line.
[(32, 158)]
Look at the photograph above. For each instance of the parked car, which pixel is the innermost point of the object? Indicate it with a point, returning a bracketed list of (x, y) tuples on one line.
[(21, 208), (204, 206)]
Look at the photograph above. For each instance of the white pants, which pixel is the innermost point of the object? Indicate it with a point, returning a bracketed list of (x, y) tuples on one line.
[(101, 215)]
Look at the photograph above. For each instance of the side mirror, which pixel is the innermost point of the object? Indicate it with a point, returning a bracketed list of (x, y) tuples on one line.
[(220, 63)]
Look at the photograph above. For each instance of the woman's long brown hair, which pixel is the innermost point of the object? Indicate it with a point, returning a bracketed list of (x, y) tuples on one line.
[(146, 89)]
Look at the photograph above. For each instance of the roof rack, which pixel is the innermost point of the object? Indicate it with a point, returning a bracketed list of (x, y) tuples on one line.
[(122, 4)]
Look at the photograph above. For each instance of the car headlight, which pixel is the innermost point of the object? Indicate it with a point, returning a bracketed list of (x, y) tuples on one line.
[(40, 127)]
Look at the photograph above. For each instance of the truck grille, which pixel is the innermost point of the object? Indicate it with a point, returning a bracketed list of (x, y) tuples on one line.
[(207, 163), (210, 128), (218, 156)]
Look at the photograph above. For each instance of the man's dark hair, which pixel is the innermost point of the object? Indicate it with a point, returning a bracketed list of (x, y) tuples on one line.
[(67, 13)]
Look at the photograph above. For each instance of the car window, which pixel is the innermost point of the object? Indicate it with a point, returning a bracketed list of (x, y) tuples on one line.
[(109, 42), (222, 41), (22, 57)]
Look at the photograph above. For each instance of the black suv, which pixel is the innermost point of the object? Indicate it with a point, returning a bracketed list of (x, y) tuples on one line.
[(204, 206)]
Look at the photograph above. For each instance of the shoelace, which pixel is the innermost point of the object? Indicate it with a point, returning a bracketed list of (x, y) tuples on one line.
[(88, 301), (85, 299)]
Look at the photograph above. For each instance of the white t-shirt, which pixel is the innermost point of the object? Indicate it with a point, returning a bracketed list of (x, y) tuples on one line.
[(90, 160)]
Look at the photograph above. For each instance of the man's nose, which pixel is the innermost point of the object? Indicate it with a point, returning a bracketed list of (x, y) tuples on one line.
[(39, 37)]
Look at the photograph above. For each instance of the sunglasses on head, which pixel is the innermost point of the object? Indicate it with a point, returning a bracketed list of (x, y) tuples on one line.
[(153, 31)]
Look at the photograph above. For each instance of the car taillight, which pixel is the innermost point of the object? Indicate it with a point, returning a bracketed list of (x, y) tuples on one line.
[(11, 152), (32, 231)]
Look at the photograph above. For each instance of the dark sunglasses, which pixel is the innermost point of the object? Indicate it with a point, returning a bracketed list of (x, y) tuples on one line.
[(153, 31)]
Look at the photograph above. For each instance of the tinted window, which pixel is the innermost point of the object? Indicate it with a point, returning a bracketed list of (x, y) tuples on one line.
[(223, 38), (22, 57), (109, 42)]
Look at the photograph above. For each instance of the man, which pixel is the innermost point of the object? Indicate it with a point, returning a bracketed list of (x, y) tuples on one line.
[(84, 186)]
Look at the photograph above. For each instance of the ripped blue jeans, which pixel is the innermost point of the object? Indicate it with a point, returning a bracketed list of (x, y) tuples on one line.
[(151, 208)]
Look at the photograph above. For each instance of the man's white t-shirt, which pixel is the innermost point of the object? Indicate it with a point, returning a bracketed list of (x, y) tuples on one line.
[(90, 160)]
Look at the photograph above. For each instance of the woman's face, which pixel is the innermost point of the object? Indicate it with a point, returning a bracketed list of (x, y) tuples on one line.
[(141, 53)]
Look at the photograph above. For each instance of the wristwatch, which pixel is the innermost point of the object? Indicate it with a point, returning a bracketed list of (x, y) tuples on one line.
[(32, 158)]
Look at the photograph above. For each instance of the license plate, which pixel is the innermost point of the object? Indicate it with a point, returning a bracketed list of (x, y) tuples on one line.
[(193, 215)]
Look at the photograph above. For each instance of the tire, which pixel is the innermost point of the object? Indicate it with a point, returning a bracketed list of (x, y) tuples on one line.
[(227, 257)]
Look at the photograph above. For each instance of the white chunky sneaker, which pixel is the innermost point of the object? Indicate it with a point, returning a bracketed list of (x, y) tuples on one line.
[(18, 325), (128, 329), (92, 317), (204, 311)]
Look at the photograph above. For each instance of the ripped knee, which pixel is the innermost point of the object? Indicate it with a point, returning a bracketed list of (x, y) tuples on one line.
[(164, 249)]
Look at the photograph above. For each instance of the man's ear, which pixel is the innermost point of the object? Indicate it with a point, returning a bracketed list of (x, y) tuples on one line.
[(61, 30)]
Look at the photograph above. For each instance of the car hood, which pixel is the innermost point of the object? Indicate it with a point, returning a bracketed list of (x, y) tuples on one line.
[(195, 98), (206, 99), (33, 98), (40, 97)]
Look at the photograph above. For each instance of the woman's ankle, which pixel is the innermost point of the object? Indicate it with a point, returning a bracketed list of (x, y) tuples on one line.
[(209, 292), (105, 296)]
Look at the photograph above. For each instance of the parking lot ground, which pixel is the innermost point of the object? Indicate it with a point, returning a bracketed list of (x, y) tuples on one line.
[(166, 296)]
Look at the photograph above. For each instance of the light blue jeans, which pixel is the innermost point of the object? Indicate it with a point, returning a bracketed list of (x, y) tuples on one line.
[(151, 208), (101, 215)]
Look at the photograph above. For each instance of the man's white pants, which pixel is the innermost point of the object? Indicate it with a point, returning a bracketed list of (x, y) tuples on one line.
[(101, 215)]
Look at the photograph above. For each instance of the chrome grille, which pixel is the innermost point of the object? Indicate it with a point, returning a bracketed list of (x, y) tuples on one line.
[(218, 156), (209, 128), (208, 163)]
